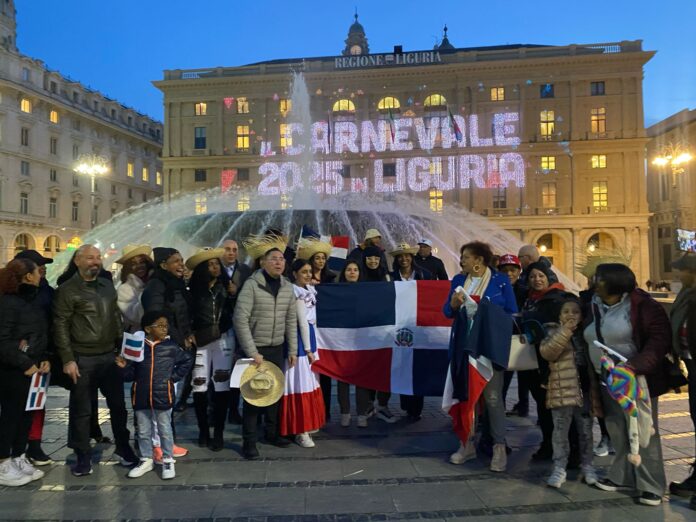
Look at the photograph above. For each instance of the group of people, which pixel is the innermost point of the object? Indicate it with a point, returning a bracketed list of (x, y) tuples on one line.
[(202, 314)]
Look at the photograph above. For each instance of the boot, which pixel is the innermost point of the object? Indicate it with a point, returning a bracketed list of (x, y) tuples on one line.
[(220, 404), (234, 417), (200, 403)]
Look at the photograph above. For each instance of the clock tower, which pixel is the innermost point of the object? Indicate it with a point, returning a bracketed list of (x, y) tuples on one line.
[(356, 43)]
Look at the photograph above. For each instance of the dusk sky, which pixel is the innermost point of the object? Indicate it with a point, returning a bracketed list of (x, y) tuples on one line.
[(120, 47)]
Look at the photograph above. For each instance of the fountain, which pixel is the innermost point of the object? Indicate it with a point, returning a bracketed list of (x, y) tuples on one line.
[(398, 217)]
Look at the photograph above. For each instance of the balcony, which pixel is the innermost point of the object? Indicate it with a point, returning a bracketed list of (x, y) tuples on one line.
[(603, 210)]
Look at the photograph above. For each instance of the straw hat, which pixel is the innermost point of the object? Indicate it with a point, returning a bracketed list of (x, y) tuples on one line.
[(404, 248), (599, 257), (308, 246), (131, 251), (204, 254), (372, 233), (262, 385), (256, 246)]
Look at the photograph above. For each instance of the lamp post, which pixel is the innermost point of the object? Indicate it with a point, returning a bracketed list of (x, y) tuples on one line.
[(92, 165), (674, 156)]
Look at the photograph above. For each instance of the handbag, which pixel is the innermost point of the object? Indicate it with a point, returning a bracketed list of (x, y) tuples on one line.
[(522, 354)]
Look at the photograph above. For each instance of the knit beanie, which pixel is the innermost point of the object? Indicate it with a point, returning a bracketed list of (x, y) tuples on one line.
[(543, 267), (372, 251), (161, 254)]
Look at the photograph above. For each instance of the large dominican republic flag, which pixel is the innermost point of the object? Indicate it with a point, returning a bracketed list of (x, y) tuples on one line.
[(384, 336)]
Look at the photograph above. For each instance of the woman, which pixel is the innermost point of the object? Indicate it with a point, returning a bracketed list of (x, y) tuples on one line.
[(631, 322), (209, 308), (23, 352), (302, 406), (363, 402), (137, 268), (480, 281), (320, 268)]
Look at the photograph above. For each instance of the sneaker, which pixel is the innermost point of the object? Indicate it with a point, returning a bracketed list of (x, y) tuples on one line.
[(607, 485), (83, 466), (687, 488), (362, 421), (11, 476), (168, 471), (464, 453), (557, 478), (23, 465), (602, 449), (126, 456), (499, 460), (179, 451), (278, 442), (36, 454), (144, 466), (650, 499), (304, 440), (384, 414), (345, 420), (590, 475), (157, 455)]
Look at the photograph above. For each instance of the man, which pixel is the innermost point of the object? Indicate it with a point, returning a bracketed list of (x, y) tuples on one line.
[(427, 261), (87, 329), (234, 274), (373, 237), (265, 319)]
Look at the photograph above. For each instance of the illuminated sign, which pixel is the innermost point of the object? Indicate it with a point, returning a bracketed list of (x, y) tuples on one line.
[(452, 163), (382, 60)]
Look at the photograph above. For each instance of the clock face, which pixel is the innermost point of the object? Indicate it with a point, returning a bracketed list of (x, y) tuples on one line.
[(355, 50)]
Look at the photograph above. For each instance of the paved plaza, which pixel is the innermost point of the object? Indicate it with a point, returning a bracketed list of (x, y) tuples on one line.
[(384, 472)]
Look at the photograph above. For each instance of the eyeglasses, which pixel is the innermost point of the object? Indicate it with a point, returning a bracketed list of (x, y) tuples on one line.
[(275, 259), (160, 326)]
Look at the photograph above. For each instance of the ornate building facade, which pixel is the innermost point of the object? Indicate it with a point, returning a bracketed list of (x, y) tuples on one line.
[(548, 142), (47, 122)]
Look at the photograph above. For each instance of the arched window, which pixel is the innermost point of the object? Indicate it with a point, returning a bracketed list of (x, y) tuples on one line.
[(435, 101), (52, 246), (23, 242), (388, 102), (344, 105)]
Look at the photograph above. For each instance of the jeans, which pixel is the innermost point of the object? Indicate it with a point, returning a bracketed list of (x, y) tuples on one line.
[(495, 406), (363, 403), (162, 419), (562, 419), (14, 421), (250, 414), (97, 372)]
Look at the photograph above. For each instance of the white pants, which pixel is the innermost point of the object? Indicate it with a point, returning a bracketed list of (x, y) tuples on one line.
[(214, 359)]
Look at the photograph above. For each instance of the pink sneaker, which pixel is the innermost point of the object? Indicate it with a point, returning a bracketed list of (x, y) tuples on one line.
[(179, 451), (157, 455)]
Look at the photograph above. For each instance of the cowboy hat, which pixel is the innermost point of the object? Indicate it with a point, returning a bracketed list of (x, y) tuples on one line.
[(131, 251), (404, 248), (308, 246), (262, 385), (257, 246), (204, 254)]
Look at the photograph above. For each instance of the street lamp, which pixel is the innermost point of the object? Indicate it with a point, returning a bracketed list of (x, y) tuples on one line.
[(92, 165), (676, 157)]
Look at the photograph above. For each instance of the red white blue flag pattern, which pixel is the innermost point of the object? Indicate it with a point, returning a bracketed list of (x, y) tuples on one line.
[(36, 400)]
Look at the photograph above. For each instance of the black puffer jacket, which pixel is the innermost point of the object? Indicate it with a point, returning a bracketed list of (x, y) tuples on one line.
[(432, 264), (23, 318), (164, 363), (165, 292)]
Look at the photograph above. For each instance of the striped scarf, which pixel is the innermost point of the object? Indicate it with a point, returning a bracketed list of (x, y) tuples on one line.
[(477, 287)]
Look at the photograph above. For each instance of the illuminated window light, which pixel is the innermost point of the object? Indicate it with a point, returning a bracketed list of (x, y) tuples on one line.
[(387, 103), (201, 109), (343, 105), (25, 105), (53, 116), (435, 100)]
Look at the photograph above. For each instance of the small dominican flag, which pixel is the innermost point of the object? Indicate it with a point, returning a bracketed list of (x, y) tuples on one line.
[(385, 336), (340, 244), (133, 347), (453, 123), (36, 400)]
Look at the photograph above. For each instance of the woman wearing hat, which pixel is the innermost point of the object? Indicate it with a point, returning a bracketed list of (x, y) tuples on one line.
[(210, 317), (317, 253), (137, 268)]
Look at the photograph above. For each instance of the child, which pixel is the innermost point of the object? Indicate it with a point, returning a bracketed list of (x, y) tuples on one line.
[(569, 391), (152, 394)]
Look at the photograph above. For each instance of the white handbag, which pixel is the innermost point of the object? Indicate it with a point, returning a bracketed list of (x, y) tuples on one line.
[(522, 355)]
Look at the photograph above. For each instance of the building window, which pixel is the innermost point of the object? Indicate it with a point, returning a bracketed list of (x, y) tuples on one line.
[(158, 178), (547, 124), (242, 106), (53, 87), (113, 189), (343, 105), (600, 195), (75, 151), (23, 242), (435, 101), (75, 211), (25, 105), (497, 93), (242, 138), (75, 180), (23, 203), (548, 163), (75, 96), (199, 138), (54, 145), (389, 170), (546, 90), (200, 175), (95, 103), (667, 258), (76, 124), (201, 204), (243, 203), (26, 74), (285, 106), (345, 171), (599, 161), (548, 195), (285, 202), (243, 174), (130, 170), (500, 198), (53, 175), (664, 186), (598, 120), (52, 207), (52, 246), (436, 201), (24, 168), (53, 116), (597, 88), (387, 103), (285, 137), (201, 108), (130, 120), (146, 174), (113, 114), (24, 137), (130, 193)]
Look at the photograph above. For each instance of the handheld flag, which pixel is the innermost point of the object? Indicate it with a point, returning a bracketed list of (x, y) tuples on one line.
[(36, 400), (133, 346), (453, 123)]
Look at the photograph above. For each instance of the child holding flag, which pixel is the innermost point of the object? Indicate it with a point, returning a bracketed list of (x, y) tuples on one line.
[(154, 372)]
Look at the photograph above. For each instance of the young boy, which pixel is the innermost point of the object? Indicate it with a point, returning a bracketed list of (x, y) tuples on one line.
[(152, 394)]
